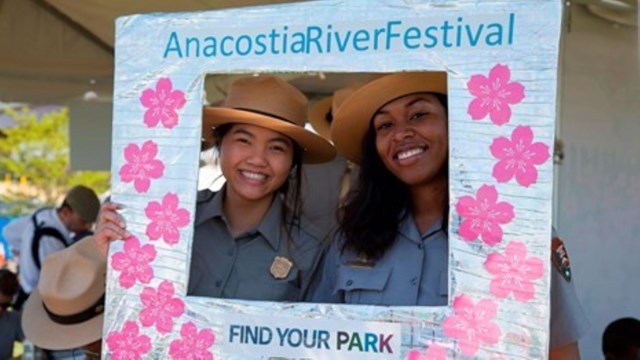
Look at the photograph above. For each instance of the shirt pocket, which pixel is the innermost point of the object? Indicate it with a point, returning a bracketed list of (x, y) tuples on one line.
[(362, 285)]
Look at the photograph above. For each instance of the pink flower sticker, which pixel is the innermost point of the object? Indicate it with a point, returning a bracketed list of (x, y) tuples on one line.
[(193, 344), (166, 219), (128, 344), (514, 272), (434, 352), (162, 104), (472, 324), (160, 307), (141, 166), (483, 215), (518, 156), (134, 262), (493, 95)]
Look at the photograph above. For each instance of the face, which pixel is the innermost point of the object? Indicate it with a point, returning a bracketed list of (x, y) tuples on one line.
[(255, 161), (412, 139), (73, 221)]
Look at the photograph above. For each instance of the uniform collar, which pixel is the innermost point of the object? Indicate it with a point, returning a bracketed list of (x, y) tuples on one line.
[(269, 227), (409, 229)]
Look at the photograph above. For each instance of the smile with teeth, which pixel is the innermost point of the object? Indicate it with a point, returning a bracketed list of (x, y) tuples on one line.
[(409, 153), (253, 175)]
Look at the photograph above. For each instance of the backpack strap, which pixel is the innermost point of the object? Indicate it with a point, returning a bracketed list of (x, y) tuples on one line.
[(40, 230)]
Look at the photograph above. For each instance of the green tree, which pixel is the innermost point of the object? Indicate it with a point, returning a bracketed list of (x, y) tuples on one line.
[(37, 149)]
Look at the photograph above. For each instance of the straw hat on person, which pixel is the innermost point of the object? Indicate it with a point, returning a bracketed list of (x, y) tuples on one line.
[(66, 310), (352, 119), (274, 104), (322, 111)]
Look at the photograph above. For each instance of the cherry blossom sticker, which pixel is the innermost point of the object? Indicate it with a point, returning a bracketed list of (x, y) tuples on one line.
[(434, 352), (514, 272), (160, 307), (193, 344), (128, 344), (162, 104), (494, 95), (518, 157), (483, 215), (134, 262), (472, 324), (166, 219), (141, 166)]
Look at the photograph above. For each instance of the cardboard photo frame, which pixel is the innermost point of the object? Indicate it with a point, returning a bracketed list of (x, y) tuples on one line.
[(501, 59)]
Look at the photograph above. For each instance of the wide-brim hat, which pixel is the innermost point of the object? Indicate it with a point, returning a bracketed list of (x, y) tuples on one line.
[(66, 310), (271, 103), (352, 119), (322, 111)]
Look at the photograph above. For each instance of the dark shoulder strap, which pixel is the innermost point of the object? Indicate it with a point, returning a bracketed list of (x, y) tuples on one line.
[(40, 230)]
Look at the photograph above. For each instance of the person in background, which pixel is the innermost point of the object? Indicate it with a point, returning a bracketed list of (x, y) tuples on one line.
[(65, 313), (621, 339), (250, 240), (392, 247), (10, 329), (325, 185), (48, 230)]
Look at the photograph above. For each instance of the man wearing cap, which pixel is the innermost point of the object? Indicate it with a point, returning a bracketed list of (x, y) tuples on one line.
[(49, 230)]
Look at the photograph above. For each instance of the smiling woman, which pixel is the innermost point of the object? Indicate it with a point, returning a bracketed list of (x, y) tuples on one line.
[(250, 240)]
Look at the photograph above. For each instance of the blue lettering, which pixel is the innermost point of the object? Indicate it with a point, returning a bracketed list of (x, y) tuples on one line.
[(473, 40), (390, 33), (342, 45), (445, 32), (247, 50), (173, 45), (512, 22), (314, 39), (430, 36), (412, 33), (361, 36), (209, 49), (195, 41), (370, 341), (273, 36), (222, 47), (497, 34), (376, 36), (298, 44), (260, 44)]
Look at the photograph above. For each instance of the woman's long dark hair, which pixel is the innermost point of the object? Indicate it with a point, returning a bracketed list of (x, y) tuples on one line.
[(378, 204), (290, 189)]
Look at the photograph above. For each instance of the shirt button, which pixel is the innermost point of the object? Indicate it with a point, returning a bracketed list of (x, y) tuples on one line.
[(349, 282), (420, 246), (414, 281), (218, 283)]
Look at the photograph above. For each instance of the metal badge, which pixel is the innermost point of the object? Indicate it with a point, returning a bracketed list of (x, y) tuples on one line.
[(280, 267)]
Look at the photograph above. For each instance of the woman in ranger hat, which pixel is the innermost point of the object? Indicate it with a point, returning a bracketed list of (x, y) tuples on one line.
[(392, 247), (250, 241)]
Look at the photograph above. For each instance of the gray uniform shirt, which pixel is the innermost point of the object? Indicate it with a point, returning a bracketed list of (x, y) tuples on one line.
[(414, 271), (240, 268)]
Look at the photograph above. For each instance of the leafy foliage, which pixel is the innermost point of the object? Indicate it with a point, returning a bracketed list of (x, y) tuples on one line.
[(37, 149)]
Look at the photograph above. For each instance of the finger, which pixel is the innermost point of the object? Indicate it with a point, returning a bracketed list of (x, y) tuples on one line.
[(111, 217)]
